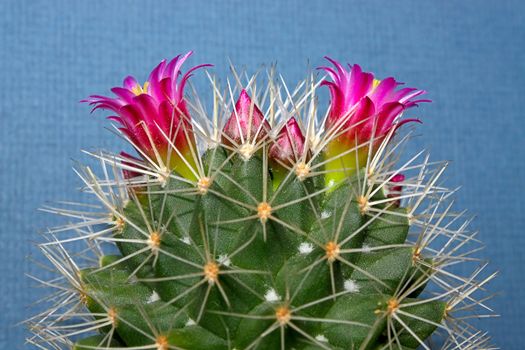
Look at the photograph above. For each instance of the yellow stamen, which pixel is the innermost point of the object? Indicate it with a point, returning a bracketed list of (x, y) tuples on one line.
[(137, 89)]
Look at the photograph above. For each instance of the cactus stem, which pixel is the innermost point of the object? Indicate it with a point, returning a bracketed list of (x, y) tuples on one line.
[(332, 251), (162, 343), (302, 170), (203, 184), (211, 272), (283, 315), (264, 210)]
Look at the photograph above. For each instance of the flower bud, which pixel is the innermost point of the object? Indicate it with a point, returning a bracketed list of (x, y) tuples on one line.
[(246, 124), (288, 147)]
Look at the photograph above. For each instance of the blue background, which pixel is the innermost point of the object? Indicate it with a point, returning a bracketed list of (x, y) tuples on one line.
[(469, 55)]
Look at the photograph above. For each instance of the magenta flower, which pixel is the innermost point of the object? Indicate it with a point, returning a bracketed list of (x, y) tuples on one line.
[(288, 147), (362, 106), (246, 124), (154, 116), (362, 109)]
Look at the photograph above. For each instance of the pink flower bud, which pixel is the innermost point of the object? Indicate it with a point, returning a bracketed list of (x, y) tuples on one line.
[(288, 147), (246, 123)]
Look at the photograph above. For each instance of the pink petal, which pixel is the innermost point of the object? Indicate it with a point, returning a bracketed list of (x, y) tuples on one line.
[(130, 83)]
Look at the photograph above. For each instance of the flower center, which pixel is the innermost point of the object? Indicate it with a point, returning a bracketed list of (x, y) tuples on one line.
[(137, 89)]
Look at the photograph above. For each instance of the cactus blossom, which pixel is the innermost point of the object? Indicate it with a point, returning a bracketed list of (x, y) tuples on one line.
[(362, 111), (154, 116)]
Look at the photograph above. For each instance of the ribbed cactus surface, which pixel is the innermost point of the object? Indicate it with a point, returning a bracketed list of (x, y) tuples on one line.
[(259, 230)]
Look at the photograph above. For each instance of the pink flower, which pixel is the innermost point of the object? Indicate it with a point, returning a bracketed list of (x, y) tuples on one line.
[(288, 147), (246, 124), (363, 110), (361, 106), (154, 116)]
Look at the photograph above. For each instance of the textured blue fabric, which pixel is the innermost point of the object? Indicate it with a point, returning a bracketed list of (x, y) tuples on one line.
[(470, 56)]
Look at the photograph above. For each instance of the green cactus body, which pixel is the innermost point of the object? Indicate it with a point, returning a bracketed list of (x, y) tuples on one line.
[(254, 254), (253, 269)]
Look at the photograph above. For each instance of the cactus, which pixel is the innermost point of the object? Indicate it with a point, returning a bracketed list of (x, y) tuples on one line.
[(262, 225)]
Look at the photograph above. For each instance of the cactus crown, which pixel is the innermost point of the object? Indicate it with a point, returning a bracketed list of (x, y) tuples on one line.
[(262, 226)]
